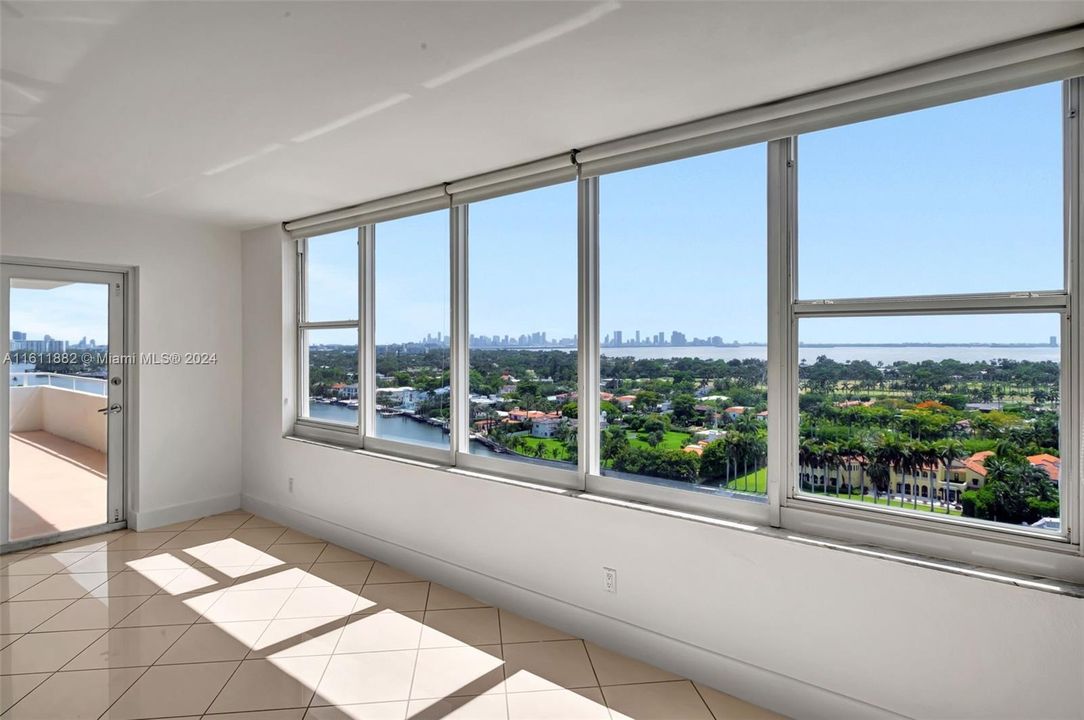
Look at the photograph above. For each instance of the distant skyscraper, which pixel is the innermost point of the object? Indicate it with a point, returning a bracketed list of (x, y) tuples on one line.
[(677, 338), (16, 335), (637, 337), (1053, 340), (618, 337)]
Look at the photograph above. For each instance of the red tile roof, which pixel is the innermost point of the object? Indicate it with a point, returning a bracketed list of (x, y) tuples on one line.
[(1048, 462), (974, 463)]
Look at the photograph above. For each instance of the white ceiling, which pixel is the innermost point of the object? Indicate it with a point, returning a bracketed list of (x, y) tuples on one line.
[(244, 113)]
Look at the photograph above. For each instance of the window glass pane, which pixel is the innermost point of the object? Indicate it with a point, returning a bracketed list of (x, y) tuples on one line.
[(949, 414), (412, 317), (523, 326), (332, 280), (683, 305), (333, 376), (962, 198)]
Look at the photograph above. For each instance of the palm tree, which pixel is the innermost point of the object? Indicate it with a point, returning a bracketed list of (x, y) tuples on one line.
[(805, 458), (920, 462), (734, 449), (831, 458), (947, 452), (850, 451), (894, 454), (865, 455), (810, 455), (881, 462)]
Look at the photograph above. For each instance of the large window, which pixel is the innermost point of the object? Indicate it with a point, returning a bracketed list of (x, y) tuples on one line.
[(931, 401), (896, 291), (411, 306), (328, 335), (683, 326), (523, 372)]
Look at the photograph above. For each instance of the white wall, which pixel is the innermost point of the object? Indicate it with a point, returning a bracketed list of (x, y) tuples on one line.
[(808, 631), (68, 414), (189, 417)]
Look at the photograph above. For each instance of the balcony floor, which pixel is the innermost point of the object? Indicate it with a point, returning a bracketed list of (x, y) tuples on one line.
[(55, 485)]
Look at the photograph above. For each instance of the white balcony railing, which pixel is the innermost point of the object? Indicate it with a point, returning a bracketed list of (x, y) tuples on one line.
[(79, 383)]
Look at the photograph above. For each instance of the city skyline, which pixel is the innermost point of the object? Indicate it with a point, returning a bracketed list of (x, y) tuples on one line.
[(84, 341), (676, 338)]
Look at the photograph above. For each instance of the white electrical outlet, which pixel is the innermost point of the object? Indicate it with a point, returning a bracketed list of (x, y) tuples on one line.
[(609, 579), (290, 484)]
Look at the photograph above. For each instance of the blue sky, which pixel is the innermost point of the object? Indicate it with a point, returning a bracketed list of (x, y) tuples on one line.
[(67, 312), (961, 198)]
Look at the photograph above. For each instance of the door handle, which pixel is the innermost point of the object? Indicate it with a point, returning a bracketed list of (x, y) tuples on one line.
[(111, 410)]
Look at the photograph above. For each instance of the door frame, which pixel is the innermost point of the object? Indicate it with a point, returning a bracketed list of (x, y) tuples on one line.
[(126, 461)]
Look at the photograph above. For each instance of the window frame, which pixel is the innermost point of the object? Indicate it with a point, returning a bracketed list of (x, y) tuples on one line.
[(688, 499), (1051, 302), (367, 239), (304, 425), (570, 477), (787, 509)]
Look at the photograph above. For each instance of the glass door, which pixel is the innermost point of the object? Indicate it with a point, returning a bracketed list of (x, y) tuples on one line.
[(64, 410)]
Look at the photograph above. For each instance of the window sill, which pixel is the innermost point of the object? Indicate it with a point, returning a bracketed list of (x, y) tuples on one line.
[(980, 572)]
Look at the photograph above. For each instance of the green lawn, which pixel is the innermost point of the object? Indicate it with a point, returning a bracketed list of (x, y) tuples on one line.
[(550, 447), (670, 441), (907, 504), (754, 482)]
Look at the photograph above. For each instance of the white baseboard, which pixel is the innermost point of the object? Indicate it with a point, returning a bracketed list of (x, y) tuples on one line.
[(150, 519), (781, 693)]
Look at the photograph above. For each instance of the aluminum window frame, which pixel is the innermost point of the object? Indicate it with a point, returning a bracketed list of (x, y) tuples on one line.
[(978, 542), (303, 424), (1022, 548), (367, 346), (553, 474), (652, 491)]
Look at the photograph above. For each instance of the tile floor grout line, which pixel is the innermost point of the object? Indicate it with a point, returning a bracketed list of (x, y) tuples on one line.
[(104, 632), (111, 574), (43, 681), (217, 694), (337, 640), (12, 597), (504, 665), (148, 668), (591, 662), (418, 650), (51, 673), (70, 602), (701, 696)]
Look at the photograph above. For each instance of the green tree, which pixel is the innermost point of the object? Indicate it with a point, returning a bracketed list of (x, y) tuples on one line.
[(614, 442), (947, 452), (715, 462)]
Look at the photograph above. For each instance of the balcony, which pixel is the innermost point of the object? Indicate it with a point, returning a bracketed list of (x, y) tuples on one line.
[(57, 444)]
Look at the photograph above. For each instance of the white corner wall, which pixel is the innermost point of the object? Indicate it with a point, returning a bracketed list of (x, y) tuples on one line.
[(189, 419), (807, 631)]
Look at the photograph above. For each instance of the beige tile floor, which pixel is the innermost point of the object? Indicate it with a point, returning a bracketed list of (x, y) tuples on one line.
[(56, 485), (236, 617)]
